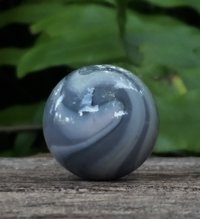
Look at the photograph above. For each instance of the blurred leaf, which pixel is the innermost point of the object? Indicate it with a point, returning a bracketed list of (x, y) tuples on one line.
[(180, 123), (35, 10), (21, 115), (77, 22), (191, 78), (56, 52), (23, 144), (29, 13), (162, 41), (10, 56), (177, 3), (79, 36), (179, 114), (7, 153)]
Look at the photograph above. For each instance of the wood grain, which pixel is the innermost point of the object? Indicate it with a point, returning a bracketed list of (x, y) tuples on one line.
[(39, 188)]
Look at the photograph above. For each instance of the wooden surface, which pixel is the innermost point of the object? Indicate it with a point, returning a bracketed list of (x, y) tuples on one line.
[(39, 188)]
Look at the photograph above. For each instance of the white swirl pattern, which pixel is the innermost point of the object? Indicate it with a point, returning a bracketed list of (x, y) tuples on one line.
[(100, 122)]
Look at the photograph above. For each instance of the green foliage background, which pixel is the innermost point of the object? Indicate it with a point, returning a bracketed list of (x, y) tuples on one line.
[(159, 40)]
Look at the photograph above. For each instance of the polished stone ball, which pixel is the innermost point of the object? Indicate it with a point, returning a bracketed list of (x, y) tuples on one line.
[(100, 122)]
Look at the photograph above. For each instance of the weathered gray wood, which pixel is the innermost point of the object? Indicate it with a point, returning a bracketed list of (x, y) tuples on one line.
[(40, 188)]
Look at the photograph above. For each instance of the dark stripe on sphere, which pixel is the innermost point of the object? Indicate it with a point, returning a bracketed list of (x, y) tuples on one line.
[(130, 164)]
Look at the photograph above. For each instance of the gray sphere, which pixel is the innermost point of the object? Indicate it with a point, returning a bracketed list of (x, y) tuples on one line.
[(100, 122)]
